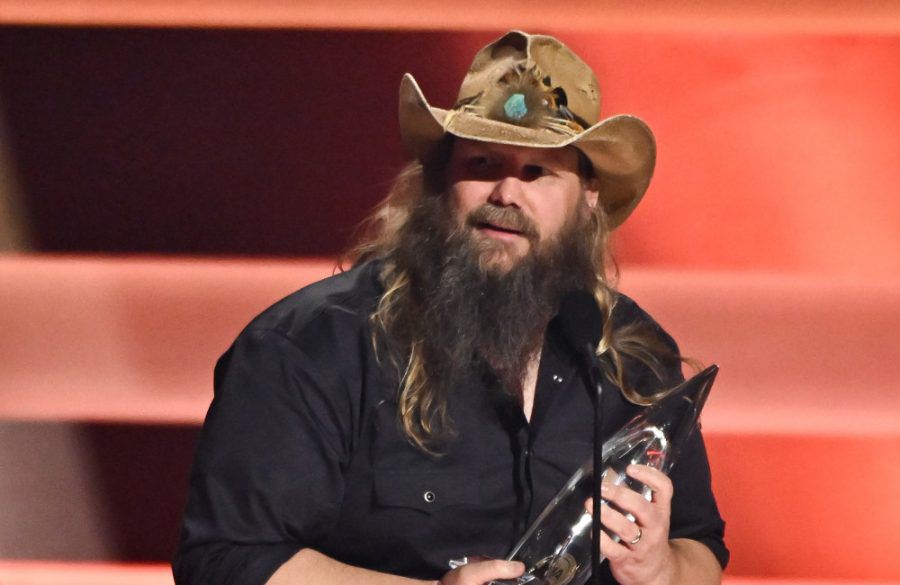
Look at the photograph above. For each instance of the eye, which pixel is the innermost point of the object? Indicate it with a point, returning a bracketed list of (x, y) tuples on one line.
[(479, 166), (532, 172), (478, 162)]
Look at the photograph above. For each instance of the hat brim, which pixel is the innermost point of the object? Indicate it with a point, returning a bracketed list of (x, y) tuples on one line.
[(621, 148)]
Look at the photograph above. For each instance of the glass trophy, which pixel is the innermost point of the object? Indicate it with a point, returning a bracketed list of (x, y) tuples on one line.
[(556, 549)]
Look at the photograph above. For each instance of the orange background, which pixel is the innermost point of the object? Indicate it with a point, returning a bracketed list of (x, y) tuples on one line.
[(152, 143)]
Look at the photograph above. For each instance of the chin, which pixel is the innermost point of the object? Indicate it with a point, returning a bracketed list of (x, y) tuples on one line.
[(499, 256), (499, 261)]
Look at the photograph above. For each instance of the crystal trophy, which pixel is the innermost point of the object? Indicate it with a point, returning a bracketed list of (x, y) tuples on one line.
[(556, 549)]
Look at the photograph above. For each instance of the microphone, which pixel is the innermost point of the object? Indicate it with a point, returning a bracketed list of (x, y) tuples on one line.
[(582, 325)]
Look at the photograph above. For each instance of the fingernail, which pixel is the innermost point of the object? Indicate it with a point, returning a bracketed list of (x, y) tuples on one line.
[(604, 488), (517, 566), (633, 470)]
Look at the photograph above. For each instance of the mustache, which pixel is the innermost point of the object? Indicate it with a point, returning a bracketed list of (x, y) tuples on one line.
[(506, 218)]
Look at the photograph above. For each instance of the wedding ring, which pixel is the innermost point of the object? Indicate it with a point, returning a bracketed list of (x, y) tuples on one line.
[(637, 538)]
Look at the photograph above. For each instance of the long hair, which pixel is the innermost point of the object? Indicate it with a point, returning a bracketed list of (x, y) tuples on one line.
[(423, 410)]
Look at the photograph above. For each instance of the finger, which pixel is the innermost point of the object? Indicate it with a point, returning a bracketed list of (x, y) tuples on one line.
[(607, 512), (612, 550), (628, 501), (484, 571), (655, 479), (617, 523)]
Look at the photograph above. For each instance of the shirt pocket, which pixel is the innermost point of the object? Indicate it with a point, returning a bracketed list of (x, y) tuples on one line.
[(426, 491)]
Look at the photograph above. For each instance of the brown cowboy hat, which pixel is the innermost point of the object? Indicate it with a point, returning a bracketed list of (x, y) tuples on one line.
[(531, 90)]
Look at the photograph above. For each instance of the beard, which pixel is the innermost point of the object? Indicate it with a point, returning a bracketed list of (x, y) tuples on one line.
[(477, 312)]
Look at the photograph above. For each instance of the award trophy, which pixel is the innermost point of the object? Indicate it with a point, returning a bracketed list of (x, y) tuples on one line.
[(556, 549)]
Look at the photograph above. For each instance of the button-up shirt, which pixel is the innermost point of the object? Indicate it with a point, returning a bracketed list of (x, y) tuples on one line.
[(302, 448)]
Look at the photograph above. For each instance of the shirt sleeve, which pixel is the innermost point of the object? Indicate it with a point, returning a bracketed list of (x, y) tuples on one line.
[(267, 477), (695, 514)]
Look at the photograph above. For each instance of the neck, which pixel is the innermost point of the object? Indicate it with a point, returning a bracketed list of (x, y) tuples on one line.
[(529, 384)]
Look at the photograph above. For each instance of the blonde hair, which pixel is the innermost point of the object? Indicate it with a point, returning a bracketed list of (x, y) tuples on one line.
[(423, 412)]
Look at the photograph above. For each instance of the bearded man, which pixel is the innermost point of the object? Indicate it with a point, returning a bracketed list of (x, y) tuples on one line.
[(422, 406)]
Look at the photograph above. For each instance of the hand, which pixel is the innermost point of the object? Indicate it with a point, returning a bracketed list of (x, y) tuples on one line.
[(481, 572), (643, 554)]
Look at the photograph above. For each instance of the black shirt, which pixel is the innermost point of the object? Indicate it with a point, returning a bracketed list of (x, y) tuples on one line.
[(302, 448)]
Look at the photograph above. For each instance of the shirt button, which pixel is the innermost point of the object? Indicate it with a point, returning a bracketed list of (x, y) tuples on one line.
[(428, 496)]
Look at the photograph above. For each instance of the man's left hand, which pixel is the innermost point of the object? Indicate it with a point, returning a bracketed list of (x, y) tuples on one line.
[(643, 555)]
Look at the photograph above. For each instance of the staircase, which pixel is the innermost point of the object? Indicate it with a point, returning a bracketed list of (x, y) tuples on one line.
[(171, 171)]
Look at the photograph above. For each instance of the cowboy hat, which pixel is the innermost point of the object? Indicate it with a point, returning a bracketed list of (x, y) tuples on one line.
[(531, 90)]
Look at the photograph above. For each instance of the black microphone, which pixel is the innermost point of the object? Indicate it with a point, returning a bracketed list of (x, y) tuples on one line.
[(582, 325)]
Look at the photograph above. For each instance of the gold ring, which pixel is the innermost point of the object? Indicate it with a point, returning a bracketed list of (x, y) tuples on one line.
[(637, 538)]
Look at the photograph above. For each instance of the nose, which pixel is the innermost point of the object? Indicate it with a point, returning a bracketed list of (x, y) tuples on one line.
[(507, 192)]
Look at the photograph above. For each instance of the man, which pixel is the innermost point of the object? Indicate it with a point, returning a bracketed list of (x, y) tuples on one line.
[(422, 407)]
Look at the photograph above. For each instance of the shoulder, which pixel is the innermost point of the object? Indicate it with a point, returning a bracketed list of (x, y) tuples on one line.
[(347, 296), (627, 313), (315, 342), (332, 311), (652, 359)]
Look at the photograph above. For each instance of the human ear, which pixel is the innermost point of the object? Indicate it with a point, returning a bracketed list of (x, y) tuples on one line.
[(592, 192)]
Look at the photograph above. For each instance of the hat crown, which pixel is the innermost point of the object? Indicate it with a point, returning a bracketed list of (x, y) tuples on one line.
[(558, 67)]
